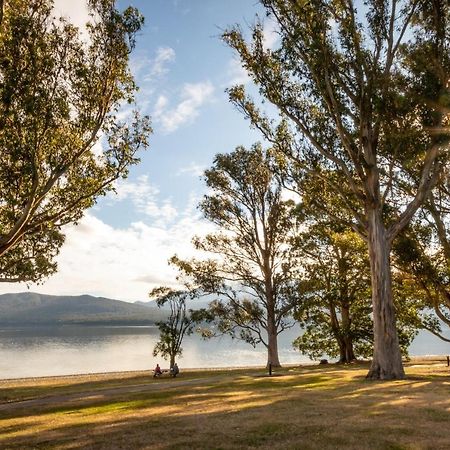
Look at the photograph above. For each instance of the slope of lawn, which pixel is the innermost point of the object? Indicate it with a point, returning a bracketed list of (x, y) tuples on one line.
[(313, 407)]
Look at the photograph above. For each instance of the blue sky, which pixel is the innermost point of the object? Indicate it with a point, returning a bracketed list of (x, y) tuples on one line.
[(120, 248), (183, 68)]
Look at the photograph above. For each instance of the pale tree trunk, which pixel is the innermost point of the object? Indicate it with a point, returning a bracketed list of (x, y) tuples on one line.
[(272, 335), (387, 358), (272, 344)]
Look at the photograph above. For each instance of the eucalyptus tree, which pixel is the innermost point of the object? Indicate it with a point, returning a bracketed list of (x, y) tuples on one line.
[(363, 92), (61, 142), (251, 269)]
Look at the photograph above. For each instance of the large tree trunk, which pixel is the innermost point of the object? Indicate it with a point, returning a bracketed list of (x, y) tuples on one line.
[(172, 360), (272, 346), (387, 358)]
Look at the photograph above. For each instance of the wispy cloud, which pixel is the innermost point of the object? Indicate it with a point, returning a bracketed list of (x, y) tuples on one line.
[(193, 169), (193, 96), (158, 66), (150, 72), (145, 198), (124, 264), (139, 64), (160, 106), (181, 7)]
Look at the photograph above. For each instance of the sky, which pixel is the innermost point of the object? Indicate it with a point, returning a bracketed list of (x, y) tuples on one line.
[(121, 247)]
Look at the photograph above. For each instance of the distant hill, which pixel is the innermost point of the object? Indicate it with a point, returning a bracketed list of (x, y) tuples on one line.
[(34, 309)]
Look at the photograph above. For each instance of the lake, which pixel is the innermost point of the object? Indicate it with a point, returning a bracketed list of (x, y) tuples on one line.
[(47, 351)]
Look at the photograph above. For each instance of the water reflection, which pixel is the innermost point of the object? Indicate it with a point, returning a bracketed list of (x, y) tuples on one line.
[(45, 351)]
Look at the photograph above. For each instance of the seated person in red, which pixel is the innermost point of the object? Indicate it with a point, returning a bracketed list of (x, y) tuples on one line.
[(157, 371)]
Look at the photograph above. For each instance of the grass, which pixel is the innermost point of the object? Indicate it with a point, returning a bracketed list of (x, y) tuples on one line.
[(316, 407)]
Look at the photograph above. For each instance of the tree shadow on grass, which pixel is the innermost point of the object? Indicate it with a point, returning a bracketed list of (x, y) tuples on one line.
[(16, 392), (324, 410)]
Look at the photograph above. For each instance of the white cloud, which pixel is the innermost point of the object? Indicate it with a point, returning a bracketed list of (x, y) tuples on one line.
[(144, 197), (271, 34), (149, 74), (193, 169), (164, 55), (75, 11), (287, 195), (160, 105), (123, 264), (193, 97)]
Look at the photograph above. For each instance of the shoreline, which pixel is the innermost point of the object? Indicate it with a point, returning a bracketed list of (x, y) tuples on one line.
[(145, 372)]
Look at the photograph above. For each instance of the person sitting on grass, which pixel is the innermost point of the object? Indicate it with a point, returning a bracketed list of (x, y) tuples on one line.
[(157, 371), (174, 371)]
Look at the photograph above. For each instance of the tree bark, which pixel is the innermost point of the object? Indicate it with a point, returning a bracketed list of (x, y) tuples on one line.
[(346, 353), (172, 361), (387, 359), (272, 335), (272, 347)]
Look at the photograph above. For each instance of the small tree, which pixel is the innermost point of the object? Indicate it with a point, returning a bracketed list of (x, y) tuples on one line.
[(335, 308), (336, 299), (179, 323), (252, 272), (422, 257), (59, 94)]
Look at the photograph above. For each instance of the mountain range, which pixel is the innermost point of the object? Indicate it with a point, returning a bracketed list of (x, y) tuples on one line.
[(29, 308)]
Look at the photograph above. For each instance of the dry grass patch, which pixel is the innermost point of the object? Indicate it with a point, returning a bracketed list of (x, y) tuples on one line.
[(306, 408)]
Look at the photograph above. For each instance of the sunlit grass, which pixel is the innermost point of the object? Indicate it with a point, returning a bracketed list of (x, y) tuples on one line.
[(307, 407)]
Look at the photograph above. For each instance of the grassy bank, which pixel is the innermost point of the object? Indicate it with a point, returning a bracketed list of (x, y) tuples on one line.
[(316, 407)]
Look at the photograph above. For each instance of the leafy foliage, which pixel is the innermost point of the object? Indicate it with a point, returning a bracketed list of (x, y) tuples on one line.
[(62, 145), (363, 95), (336, 308), (423, 264), (179, 323), (252, 272)]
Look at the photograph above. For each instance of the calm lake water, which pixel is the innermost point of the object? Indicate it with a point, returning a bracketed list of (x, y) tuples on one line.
[(45, 351)]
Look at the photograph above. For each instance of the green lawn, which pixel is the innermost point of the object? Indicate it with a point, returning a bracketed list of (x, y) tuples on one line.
[(320, 407)]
